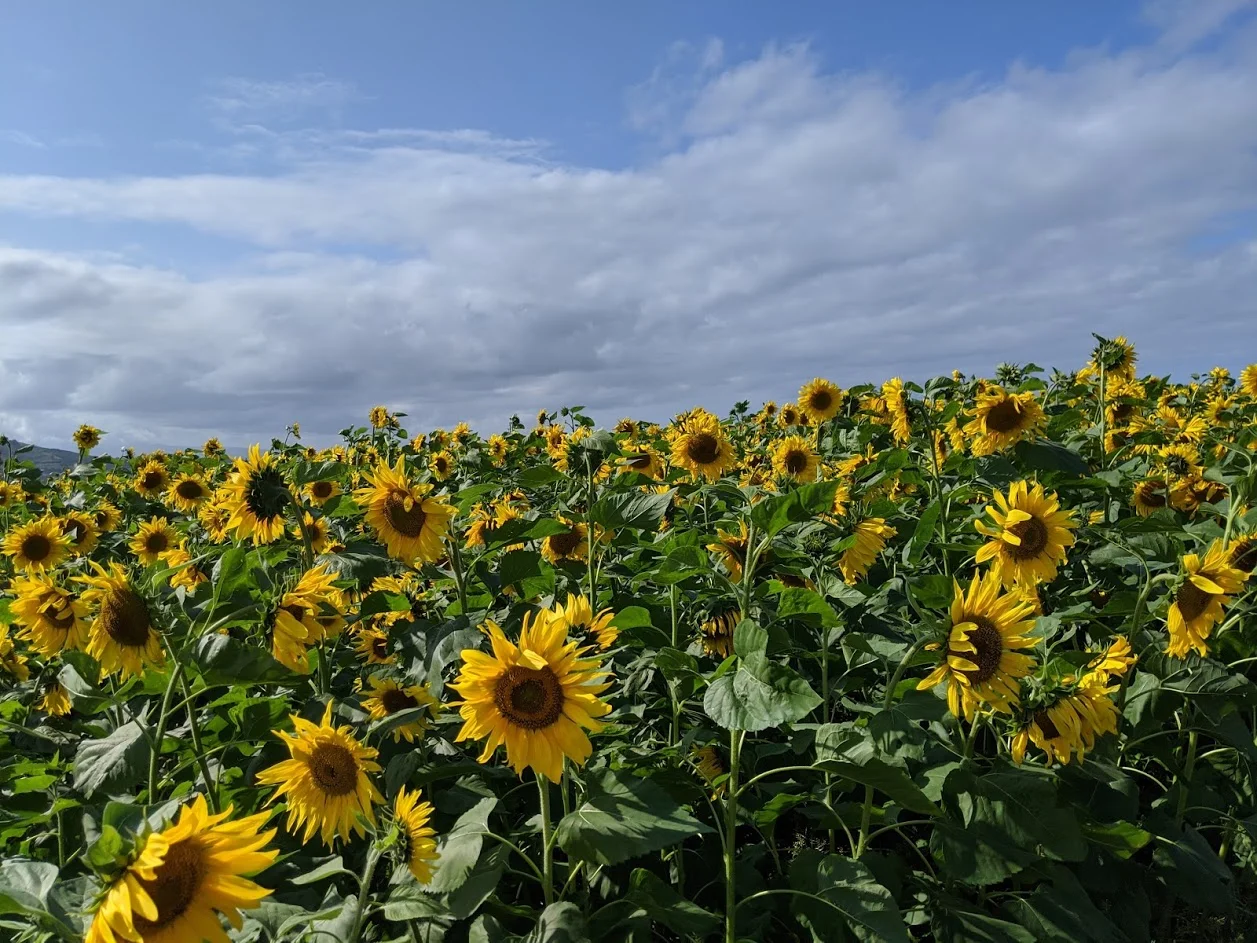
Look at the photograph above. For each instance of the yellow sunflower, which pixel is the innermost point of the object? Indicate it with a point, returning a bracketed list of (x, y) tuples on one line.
[(320, 492), (730, 549), (212, 447), (790, 416), (406, 519), (441, 465), (983, 662), (12, 661), (52, 619), (10, 493), (871, 535), (55, 701), (184, 877), (388, 697), (1150, 496), (578, 619), (498, 448), (154, 537), (325, 781), (1067, 727), (152, 478), (214, 517), (717, 633), (895, 398), (1031, 533), (187, 493), (1248, 380), (1242, 553), (418, 847), (381, 418), (374, 646), (122, 637), (644, 460), (80, 528), (106, 517), (256, 496), (299, 620), (1002, 420), (184, 573), (316, 529), (1207, 586), (86, 437), (711, 769), (573, 545), (819, 400), (36, 546), (701, 448), (537, 698), (793, 458)]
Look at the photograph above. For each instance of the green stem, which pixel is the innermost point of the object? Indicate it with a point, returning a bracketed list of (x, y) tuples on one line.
[(731, 826), (456, 564), (589, 536), (163, 717), (547, 850), (194, 729), (1189, 767), (674, 733), (824, 675), (364, 892), (866, 819)]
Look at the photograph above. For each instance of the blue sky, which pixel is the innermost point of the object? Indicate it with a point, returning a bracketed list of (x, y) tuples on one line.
[(295, 210)]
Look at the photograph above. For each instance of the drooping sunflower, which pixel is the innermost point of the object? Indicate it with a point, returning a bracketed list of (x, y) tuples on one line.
[(1031, 533), (537, 698), (1002, 420), (983, 660), (871, 535), (184, 877), (326, 781), (53, 619), (1115, 661), (1248, 380), (574, 545), (320, 492), (577, 617), (701, 448), (297, 622), (820, 400), (730, 548), (1206, 586), (55, 701), (154, 537), (418, 847), (711, 769), (388, 697), (1150, 496), (479, 527), (408, 521), (80, 528), (122, 636), (187, 493), (1067, 726), (794, 458), (212, 447), (895, 398), (152, 478), (717, 633), (256, 496), (37, 545)]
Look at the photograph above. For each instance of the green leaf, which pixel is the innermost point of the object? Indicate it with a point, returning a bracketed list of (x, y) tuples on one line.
[(24, 886), (459, 849), (518, 565), (664, 905), (560, 923), (807, 605), (538, 476), (971, 926), (1121, 838), (231, 571), (379, 602), (844, 897), (923, 532), (624, 816), (113, 764), (1193, 869), (759, 695), (636, 510), (886, 779), (749, 638), (1048, 456), (327, 869), (802, 504), (632, 617), (1063, 915), (223, 660)]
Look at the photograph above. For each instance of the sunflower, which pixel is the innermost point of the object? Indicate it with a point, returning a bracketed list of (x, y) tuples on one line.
[(790, 416), (1180, 461), (895, 397), (86, 437), (731, 550), (325, 781), (578, 619), (1206, 587), (388, 698), (644, 460), (497, 448), (36, 546), (538, 698), (408, 521), (187, 493), (122, 636), (80, 528), (152, 478), (153, 538), (793, 458), (316, 529), (711, 769), (212, 447), (106, 517), (717, 633), (1248, 380), (1067, 727), (55, 701), (374, 646), (871, 535), (256, 497), (320, 492), (820, 400), (480, 527), (573, 545), (381, 418), (12, 661), (1002, 420), (184, 573), (441, 465), (1150, 496), (1242, 553), (1030, 536), (416, 845), (1115, 661), (298, 621), (700, 447), (982, 661), (53, 619), (1119, 360), (10, 493), (214, 517), (185, 877)]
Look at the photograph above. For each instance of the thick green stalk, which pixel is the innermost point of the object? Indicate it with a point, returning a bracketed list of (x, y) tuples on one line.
[(456, 564), (163, 717), (211, 794), (731, 827), (364, 894), (547, 850)]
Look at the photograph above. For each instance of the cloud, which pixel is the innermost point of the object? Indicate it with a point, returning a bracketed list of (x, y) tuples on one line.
[(243, 102), (21, 138), (802, 223)]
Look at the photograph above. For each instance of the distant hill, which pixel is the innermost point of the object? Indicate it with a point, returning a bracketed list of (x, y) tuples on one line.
[(48, 461)]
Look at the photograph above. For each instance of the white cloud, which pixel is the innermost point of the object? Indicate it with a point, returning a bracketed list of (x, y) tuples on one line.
[(800, 223), (242, 101)]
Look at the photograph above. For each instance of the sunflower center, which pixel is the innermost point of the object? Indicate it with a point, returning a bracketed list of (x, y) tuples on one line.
[(265, 494), (531, 698), (1192, 600), (1004, 416), (152, 480), (1244, 556), (379, 646), (1033, 535), (321, 490), (703, 448), (59, 614), (1122, 412), (1153, 496), (125, 618), (564, 544), (1044, 720), (1177, 465), (334, 769), (820, 400), (77, 529), (175, 884), (639, 462), (156, 542), (36, 547), (988, 649), (796, 461), (407, 521), (189, 490), (396, 699)]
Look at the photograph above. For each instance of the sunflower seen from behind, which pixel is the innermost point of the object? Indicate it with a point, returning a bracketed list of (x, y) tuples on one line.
[(404, 514), (36, 546), (326, 783), (184, 877), (122, 636), (1030, 535), (537, 698)]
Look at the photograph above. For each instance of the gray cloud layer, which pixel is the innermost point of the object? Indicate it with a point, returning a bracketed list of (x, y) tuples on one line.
[(798, 223)]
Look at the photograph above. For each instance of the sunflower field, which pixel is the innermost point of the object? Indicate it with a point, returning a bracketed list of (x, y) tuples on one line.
[(967, 661)]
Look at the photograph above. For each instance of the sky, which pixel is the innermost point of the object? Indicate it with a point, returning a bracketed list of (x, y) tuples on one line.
[(216, 219)]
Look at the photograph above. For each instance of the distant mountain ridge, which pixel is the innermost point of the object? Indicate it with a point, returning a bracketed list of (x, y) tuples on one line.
[(48, 461)]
